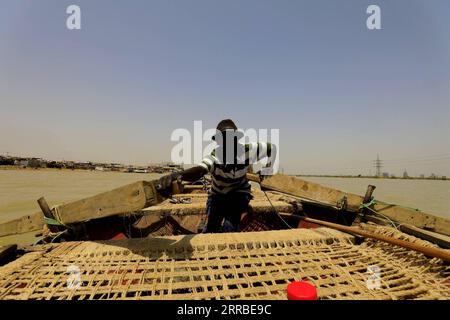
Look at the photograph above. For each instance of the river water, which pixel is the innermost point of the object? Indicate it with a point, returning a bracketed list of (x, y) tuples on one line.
[(19, 189)]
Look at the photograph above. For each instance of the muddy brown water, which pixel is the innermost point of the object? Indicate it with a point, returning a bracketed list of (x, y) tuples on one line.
[(19, 190)]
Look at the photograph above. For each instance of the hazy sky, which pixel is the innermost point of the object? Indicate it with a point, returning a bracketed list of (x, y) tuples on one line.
[(137, 70)]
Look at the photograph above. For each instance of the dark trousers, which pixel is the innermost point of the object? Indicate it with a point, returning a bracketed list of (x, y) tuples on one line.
[(224, 211)]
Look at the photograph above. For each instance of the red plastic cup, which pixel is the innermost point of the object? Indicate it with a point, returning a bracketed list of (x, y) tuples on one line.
[(301, 290)]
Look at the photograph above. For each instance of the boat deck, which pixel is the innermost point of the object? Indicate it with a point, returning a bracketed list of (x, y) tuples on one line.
[(252, 265)]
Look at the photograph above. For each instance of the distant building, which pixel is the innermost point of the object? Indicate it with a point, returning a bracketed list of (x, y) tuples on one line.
[(422, 176), (55, 165), (116, 167), (171, 167), (69, 165), (405, 175), (37, 163), (83, 165), (21, 162), (385, 174), (100, 168)]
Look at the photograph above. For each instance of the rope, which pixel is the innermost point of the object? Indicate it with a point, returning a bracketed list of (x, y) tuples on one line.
[(38, 240), (52, 221), (54, 236), (368, 207), (275, 210), (57, 235), (368, 204)]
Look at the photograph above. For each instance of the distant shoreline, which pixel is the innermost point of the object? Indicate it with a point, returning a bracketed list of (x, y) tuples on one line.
[(367, 177), (39, 169), (294, 175), (15, 168)]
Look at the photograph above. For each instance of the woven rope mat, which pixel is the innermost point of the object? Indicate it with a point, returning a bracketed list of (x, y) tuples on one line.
[(418, 265), (254, 265)]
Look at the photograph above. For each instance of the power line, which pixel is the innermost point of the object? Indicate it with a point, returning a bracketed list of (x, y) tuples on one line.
[(398, 165), (420, 158), (443, 159)]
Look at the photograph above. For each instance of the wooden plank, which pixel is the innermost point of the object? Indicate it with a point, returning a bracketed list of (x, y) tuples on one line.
[(33, 222), (47, 214), (439, 239), (314, 191), (310, 191), (126, 199), (405, 215), (378, 220)]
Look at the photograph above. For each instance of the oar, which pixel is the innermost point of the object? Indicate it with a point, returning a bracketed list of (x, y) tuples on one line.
[(428, 251)]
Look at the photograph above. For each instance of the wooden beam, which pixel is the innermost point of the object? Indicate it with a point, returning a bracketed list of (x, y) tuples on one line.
[(33, 222), (127, 199), (47, 213), (368, 196), (436, 238), (314, 191), (378, 220), (310, 191)]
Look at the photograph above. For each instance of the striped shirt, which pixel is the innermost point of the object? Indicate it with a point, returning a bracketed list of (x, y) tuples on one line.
[(228, 178)]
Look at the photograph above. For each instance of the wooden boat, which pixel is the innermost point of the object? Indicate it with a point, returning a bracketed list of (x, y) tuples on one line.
[(136, 242)]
